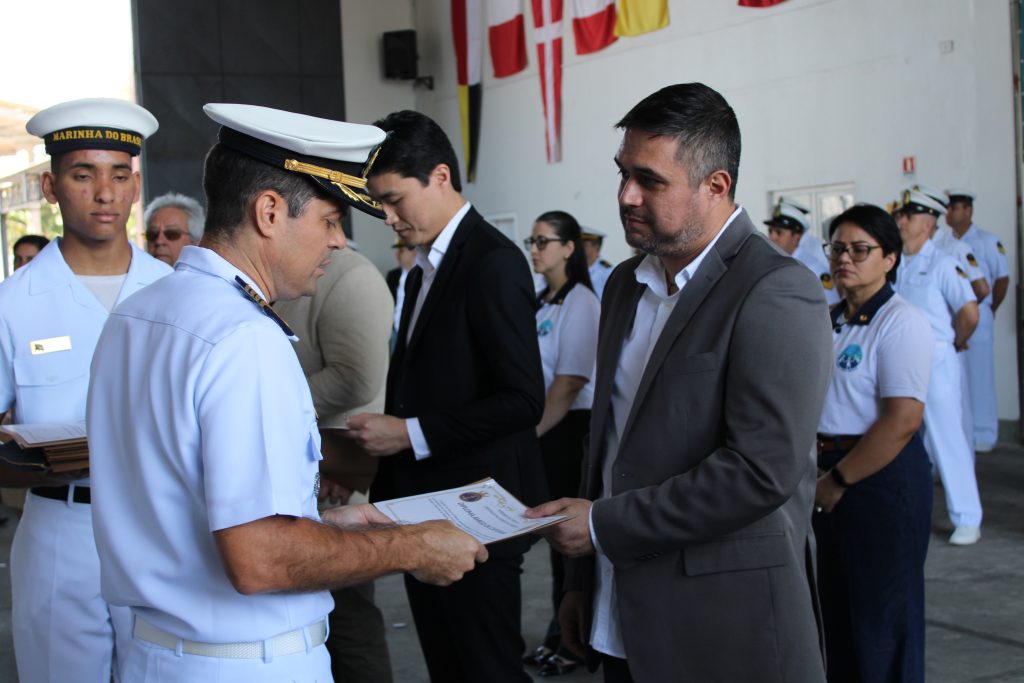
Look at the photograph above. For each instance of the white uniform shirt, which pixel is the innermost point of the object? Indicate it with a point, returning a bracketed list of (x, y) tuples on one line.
[(45, 305), (567, 336), (810, 253), (991, 255), (932, 281), (652, 312), (599, 273), (200, 419), (884, 352), (961, 251)]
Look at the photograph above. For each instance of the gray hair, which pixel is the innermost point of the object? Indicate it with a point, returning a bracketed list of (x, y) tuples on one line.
[(192, 208)]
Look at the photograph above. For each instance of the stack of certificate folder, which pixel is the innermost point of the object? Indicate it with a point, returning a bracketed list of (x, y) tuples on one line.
[(52, 448)]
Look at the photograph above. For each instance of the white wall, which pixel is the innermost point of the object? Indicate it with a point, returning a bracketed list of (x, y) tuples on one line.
[(825, 90)]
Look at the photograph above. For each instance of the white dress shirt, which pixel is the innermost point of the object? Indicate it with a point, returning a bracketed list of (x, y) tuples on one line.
[(652, 312), (428, 258)]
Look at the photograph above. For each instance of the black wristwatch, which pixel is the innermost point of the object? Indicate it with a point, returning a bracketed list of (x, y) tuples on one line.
[(838, 478)]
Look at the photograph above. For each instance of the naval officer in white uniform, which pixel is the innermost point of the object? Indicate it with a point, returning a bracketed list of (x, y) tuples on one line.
[(598, 268), (787, 229), (931, 280), (991, 255), (51, 314), (206, 517)]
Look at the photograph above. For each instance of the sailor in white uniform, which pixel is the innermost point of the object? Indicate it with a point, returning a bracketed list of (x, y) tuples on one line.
[(788, 230), (931, 280), (206, 499), (51, 314), (991, 256), (598, 267), (961, 251)]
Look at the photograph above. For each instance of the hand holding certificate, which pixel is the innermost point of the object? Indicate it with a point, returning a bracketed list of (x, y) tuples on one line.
[(484, 510)]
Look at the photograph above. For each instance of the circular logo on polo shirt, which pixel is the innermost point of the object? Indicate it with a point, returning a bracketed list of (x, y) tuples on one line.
[(850, 358), (545, 327)]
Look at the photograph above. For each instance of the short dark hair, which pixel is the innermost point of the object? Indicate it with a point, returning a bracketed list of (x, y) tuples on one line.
[(38, 241), (414, 147), (567, 228), (703, 123), (231, 181), (876, 222), (961, 199)]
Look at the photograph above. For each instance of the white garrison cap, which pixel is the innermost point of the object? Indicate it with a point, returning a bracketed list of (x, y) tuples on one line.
[(591, 235), (914, 201), (959, 193), (93, 123), (788, 215), (937, 195), (334, 154)]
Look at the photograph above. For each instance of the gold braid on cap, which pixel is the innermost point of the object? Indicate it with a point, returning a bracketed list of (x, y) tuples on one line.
[(343, 181)]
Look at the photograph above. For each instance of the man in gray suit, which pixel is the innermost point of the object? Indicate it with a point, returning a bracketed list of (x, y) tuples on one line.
[(695, 560)]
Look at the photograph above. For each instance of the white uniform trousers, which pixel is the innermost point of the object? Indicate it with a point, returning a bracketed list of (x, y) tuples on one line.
[(63, 628), (967, 412), (147, 663), (981, 374), (945, 440)]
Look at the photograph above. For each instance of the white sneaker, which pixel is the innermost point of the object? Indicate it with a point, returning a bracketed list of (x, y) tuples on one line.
[(984, 447), (965, 535)]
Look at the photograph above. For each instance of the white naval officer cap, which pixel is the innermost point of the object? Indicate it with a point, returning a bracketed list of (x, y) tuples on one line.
[(914, 201), (937, 195), (591, 235), (336, 155), (93, 123), (960, 194), (789, 215)]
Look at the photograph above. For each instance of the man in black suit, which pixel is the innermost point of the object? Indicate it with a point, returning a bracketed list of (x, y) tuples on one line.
[(464, 391)]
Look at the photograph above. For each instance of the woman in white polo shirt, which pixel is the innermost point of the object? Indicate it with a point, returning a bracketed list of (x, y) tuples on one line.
[(567, 317), (874, 496)]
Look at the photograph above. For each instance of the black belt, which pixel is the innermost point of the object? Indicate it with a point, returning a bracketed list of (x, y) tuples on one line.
[(81, 495), (831, 444)]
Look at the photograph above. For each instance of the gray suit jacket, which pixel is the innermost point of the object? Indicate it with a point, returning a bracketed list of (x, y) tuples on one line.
[(708, 522)]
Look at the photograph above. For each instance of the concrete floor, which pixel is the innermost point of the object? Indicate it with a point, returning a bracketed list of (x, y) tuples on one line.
[(975, 595)]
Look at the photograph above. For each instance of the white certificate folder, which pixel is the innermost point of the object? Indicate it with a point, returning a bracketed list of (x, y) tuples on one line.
[(484, 510)]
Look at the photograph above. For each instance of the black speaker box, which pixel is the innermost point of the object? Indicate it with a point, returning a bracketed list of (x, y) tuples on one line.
[(400, 54)]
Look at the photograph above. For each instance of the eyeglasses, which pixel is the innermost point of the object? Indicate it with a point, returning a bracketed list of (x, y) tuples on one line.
[(171, 234), (858, 251), (541, 242)]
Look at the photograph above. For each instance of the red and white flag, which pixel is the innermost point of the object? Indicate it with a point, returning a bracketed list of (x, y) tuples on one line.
[(759, 3), (547, 32), (593, 25), (506, 32)]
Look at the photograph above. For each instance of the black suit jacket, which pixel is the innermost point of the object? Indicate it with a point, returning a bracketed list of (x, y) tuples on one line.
[(471, 373), (392, 278)]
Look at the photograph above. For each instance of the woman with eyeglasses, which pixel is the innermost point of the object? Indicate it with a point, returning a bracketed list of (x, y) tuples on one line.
[(567, 317), (874, 496)]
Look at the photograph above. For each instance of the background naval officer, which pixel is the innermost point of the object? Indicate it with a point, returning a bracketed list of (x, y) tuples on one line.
[(787, 229), (931, 280), (208, 527), (980, 356), (598, 268), (58, 306)]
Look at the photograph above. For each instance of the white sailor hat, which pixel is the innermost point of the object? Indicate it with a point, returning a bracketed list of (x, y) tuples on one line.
[(937, 195), (914, 201), (335, 155), (960, 194), (93, 123), (788, 215), (591, 235)]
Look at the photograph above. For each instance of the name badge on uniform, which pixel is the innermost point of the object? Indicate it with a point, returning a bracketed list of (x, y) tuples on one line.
[(50, 345)]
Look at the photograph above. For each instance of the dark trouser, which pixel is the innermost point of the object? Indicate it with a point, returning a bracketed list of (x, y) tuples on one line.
[(562, 452), (871, 552), (615, 670), (469, 631), (359, 650)]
